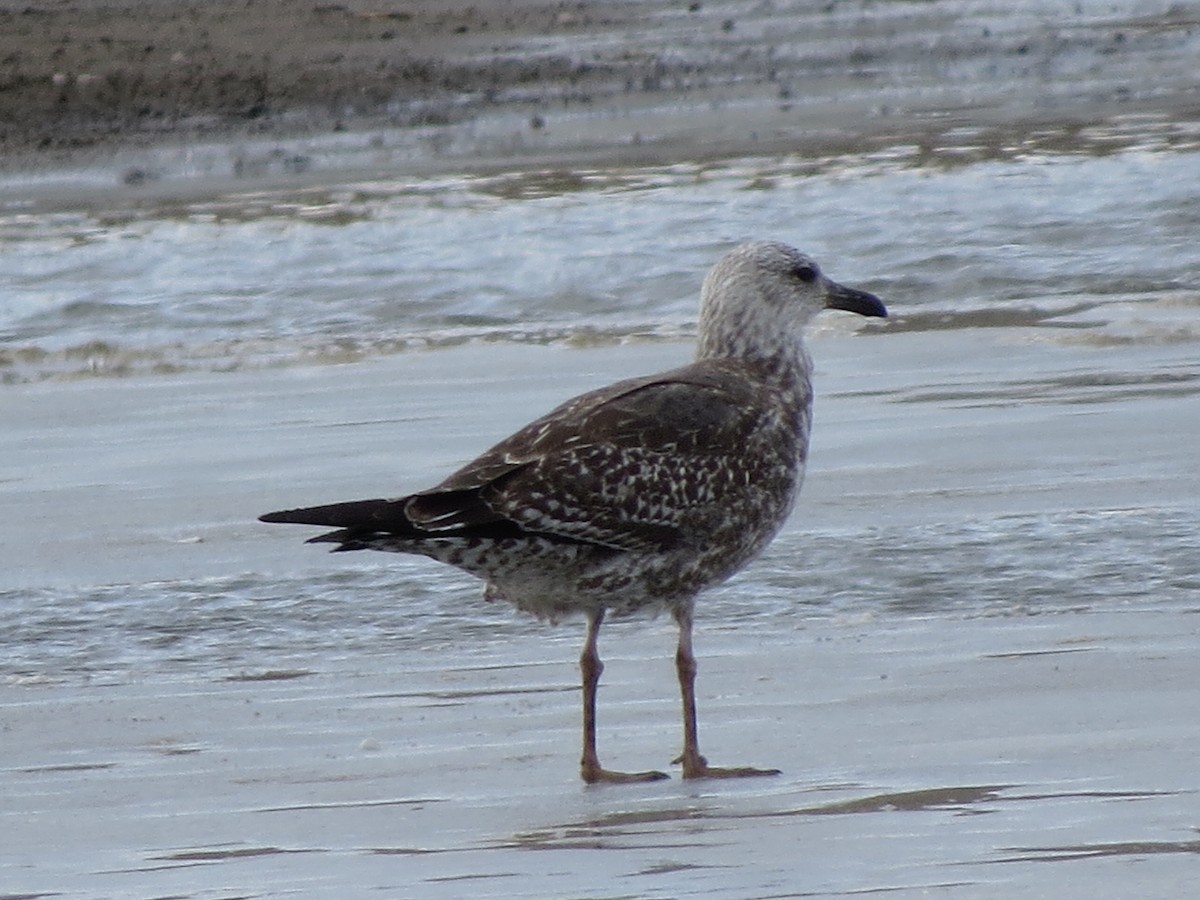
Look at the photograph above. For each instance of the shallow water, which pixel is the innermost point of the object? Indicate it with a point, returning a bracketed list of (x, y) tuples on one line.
[(337, 272), (972, 650)]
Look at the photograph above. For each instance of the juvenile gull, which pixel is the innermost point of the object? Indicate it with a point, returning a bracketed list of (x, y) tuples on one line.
[(641, 494)]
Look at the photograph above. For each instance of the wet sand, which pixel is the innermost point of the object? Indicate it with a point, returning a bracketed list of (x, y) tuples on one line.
[(990, 751), (1012, 753), (1002, 758), (165, 87)]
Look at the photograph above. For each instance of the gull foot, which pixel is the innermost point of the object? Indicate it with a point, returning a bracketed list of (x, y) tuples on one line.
[(696, 766), (598, 775), (734, 772)]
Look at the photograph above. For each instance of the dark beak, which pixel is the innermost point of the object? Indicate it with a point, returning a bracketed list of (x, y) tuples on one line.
[(853, 300)]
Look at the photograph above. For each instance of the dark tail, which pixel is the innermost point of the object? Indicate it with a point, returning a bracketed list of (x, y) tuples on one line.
[(376, 515), (357, 520)]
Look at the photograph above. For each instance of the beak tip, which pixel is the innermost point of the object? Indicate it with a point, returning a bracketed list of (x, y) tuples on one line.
[(856, 301)]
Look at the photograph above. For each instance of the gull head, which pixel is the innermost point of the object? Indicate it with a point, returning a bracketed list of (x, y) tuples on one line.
[(758, 298)]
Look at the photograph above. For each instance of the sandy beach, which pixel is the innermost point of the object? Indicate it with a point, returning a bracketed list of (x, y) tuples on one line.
[(153, 87), (1000, 747), (242, 274), (929, 758)]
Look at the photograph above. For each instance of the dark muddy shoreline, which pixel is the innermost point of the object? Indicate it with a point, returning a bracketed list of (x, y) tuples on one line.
[(500, 83)]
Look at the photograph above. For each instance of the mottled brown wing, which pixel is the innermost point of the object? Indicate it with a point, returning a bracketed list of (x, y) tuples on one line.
[(621, 467)]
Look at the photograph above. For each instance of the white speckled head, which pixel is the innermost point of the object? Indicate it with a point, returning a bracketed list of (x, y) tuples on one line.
[(758, 298)]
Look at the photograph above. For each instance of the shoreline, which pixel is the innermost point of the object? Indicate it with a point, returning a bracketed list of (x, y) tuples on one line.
[(971, 651), (484, 87)]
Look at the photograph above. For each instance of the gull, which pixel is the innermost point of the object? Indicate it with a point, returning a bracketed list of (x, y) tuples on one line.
[(640, 495)]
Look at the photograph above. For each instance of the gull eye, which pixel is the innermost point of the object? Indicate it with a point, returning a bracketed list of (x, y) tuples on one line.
[(805, 273)]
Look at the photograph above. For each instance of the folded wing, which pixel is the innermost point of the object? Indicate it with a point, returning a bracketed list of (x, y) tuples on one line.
[(622, 468)]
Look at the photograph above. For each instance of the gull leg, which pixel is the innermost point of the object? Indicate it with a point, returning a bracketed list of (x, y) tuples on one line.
[(695, 765), (591, 667)]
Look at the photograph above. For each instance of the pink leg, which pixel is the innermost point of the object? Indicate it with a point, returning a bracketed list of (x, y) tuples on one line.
[(695, 765), (591, 667)]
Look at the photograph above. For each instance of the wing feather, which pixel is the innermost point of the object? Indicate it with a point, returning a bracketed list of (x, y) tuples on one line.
[(622, 467)]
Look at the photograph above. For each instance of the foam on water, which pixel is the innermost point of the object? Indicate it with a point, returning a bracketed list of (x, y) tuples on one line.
[(345, 271)]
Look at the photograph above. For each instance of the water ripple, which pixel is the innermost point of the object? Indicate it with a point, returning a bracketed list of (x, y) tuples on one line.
[(337, 272), (250, 624)]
